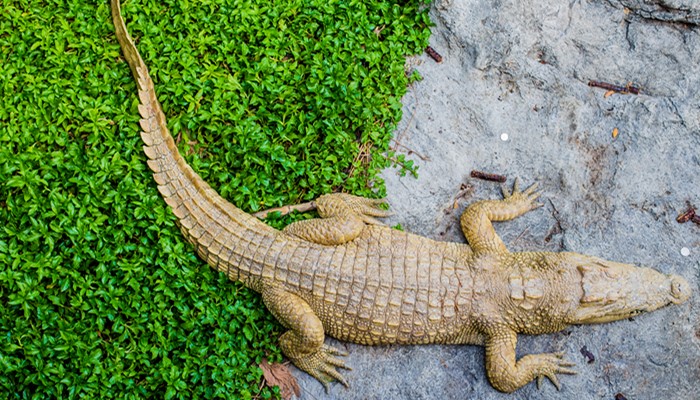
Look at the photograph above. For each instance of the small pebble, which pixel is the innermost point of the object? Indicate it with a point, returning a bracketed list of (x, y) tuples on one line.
[(504, 137), (685, 252)]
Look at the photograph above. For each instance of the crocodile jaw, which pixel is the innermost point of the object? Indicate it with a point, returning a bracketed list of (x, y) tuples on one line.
[(612, 291)]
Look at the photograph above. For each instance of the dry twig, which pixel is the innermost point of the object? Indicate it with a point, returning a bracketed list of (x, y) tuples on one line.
[(284, 210)]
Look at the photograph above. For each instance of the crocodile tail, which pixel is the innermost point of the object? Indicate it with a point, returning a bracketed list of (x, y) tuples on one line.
[(164, 159), (211, 223)]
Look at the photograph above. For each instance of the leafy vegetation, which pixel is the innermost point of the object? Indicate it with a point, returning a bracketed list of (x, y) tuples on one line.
[(272, 103)]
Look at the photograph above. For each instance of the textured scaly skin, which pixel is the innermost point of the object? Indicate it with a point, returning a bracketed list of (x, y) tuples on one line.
[(349, 277)]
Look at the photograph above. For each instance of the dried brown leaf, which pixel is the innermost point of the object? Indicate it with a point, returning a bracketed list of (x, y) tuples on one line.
[(280, 375)]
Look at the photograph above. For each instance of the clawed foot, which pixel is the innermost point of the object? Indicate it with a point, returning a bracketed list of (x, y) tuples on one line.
[(526, 198), (552, 364), (323, 365), (343, 218), (364, 208)]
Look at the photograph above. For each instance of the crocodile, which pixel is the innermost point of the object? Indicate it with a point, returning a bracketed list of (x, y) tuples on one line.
[(348, 276)]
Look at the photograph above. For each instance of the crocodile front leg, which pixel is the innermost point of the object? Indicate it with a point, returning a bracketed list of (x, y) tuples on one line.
[(507, 375), (343, 216), (303, 343), (476, 219)]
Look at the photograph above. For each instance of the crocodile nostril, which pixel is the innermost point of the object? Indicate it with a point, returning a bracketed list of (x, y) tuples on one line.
[(680, 289)]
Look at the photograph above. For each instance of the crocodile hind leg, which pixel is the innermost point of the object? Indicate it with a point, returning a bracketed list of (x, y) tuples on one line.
[(343, 216), (507, 375), (476, 219), (303, 343)]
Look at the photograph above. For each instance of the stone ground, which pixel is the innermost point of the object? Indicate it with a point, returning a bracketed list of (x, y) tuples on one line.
[(521, 68)]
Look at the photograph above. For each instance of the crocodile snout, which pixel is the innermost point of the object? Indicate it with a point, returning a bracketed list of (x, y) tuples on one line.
[(680, 289)]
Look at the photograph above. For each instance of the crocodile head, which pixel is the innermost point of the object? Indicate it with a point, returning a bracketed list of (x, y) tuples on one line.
[(609, 291)]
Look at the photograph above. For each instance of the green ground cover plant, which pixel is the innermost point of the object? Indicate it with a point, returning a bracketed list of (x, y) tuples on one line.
[(272, 102)]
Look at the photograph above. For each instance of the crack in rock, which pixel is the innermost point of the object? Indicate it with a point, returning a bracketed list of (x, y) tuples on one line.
[(680, 11)]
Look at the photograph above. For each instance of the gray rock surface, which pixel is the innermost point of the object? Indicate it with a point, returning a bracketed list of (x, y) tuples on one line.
[(521, 68), (684, 11)]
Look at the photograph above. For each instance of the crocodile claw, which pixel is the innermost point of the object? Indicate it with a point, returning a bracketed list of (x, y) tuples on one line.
[(366, 209), (528, 196), (323, 365), (554, 364)]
